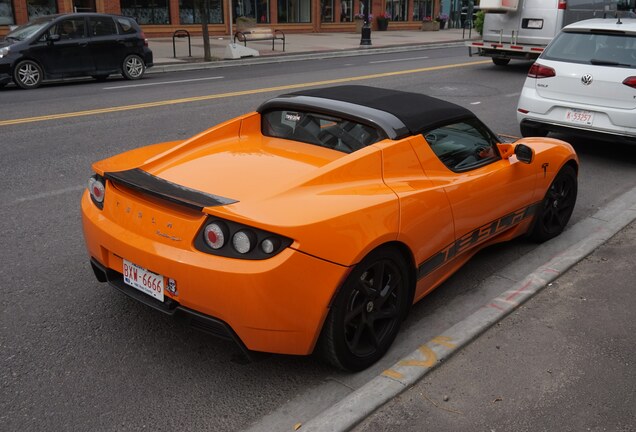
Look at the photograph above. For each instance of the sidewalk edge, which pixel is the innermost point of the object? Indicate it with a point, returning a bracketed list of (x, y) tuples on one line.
[(354, 408)]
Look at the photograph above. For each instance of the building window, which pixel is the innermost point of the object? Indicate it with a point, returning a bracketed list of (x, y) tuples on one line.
[(36, 8), (423, 9), (346, 10), (147, 11), (398, 9), (294, 11), (361, 5), (326, 11), (256, 10), (189, 11), (6, 13)]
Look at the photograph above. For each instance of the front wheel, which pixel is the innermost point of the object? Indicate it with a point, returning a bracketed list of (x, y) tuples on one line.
[(499, 61), (367, 312), (27, 74), (133, 67), (557, 206)]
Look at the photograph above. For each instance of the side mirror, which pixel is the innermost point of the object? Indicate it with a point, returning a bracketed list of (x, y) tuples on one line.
[(53, 38), (524, 153)]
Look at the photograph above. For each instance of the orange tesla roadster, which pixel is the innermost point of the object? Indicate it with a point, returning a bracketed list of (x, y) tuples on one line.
[(314, 223)]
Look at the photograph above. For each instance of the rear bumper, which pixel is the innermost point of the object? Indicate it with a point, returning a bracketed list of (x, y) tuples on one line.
[(275, 305)]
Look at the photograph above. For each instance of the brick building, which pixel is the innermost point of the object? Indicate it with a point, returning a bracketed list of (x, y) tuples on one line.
[(163, 17)]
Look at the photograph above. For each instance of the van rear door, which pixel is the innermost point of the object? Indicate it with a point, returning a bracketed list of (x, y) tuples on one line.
[(535, 22)]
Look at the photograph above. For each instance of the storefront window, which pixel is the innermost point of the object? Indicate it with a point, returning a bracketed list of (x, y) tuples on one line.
[(423, 9), (189, 12), (346, 10), (256, 10), (294, 11), (361, 5), (147, 11), (6, 13), (36, 8), (398, 9), (326, 11)]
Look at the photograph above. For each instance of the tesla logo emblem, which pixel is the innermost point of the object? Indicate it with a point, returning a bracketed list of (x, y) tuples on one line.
[(586, 79)]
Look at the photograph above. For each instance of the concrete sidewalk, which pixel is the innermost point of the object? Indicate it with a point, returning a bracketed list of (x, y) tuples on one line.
[(298, 45), (564, 361)]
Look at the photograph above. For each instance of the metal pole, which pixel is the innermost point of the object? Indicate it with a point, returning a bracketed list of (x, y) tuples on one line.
[(230, 9), (365, 39)]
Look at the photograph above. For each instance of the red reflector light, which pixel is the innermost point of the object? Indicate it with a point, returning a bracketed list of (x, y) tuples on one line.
[(478, 44), (539, 71), (523, 111), (143, 36), (630, 82), (563, 4)]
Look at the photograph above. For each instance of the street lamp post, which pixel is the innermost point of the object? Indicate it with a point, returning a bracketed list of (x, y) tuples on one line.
[(365, 39)]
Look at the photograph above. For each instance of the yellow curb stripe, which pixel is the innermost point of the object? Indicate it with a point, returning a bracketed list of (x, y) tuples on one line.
[(393, 374), (230, 94)]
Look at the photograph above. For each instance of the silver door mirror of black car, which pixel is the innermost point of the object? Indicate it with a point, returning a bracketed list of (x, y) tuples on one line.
[(524, 153)]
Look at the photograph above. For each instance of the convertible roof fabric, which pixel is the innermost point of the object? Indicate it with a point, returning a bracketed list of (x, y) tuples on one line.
[(418, 112)]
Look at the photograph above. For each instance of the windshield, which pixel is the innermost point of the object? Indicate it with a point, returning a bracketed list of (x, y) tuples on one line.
[(326, 131), (600, 48), (27, 30)]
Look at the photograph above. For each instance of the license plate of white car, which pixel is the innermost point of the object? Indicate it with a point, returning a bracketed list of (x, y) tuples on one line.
[(579, 116), (144, 280)]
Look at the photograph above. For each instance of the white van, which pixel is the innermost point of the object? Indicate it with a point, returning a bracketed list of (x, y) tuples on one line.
[(521, 29)]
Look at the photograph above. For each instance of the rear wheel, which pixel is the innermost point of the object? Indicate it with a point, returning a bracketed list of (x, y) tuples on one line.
[(499, 61), (532, 131), (133, 67), (27, 74), (557, 206), (367, 312)]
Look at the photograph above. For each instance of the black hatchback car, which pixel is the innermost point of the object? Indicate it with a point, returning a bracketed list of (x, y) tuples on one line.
[(72, 45)]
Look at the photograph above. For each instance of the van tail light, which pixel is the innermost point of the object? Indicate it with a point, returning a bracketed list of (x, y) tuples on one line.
[(143, 36), (563, 4), (630, 82), (539, 71)]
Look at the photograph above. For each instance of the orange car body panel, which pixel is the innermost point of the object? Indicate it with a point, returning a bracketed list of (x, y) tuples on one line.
[(336, 208)]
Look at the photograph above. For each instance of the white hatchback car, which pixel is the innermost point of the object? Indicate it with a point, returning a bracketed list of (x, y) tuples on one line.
[(584, 83)]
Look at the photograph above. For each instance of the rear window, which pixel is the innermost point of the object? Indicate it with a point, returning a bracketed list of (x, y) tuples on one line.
[(610, 49), (313, 128), (126, 25)]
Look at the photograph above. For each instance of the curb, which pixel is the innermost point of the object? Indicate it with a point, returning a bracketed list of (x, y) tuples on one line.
[(248, 61), (359, 404)]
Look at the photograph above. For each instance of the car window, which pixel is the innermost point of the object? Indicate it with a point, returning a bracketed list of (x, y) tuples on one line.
[(313, 128), (72, 28), (609, 49), (464, 145), (126, 25), (102, 26)]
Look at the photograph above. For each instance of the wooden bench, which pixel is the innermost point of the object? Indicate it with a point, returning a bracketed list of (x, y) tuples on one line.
[(260, 33)]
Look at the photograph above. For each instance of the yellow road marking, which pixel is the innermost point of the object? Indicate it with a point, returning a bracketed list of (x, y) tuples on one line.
[(392, 374), (230, 94), (429, 358), (444, 341)]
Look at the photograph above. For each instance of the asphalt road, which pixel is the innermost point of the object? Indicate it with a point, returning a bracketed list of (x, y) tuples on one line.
[(77, 355)]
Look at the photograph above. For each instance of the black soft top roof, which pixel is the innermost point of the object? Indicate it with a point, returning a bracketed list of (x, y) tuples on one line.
[(398, 113)]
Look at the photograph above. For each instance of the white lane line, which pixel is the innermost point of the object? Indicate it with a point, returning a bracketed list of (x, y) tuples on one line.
[(163, 83), (50, 194), (397, 60)]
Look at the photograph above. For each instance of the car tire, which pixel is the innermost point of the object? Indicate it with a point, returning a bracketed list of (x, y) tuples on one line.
[(133, 67), (532, 131), (366, 314), (556, 208), (500, 61), (101, 78), (27, 74)]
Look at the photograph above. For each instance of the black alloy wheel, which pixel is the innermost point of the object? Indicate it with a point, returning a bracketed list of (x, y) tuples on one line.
[(367, 312), (557, 206), (27, 74)]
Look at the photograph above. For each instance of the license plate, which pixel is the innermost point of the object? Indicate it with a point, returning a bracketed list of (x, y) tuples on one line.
[(535, 23), (579, 116), (144, 280)]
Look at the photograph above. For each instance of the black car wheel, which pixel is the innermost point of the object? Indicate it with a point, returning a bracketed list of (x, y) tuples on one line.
[(532, 131), (27, 74), (367, 312), (133, 67), (557, 206), (500, 61), (100, 78)]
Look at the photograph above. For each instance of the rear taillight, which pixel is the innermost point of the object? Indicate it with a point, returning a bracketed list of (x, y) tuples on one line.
[(563, 4), (97, 190), (630, 82), (143, 36), (539, 71)]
